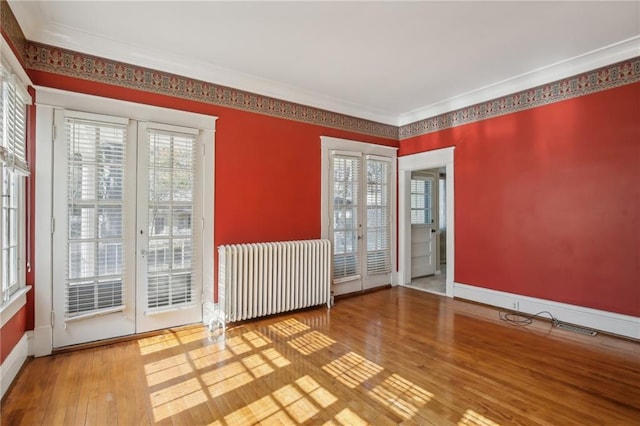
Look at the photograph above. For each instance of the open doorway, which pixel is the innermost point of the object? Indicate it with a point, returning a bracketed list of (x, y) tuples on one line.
[(428, 230), (426, 225)]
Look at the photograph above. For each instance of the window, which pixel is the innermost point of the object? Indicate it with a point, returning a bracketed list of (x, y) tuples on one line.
[(13, 169), (421, 212), (96, 155)]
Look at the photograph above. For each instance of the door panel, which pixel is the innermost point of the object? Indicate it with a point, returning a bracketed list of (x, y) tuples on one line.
[(169, 278), (94, 262), (422, 251), (346, 226), (360, 225)]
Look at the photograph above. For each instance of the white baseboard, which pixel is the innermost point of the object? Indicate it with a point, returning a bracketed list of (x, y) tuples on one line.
[(609, 322), (12, 364), (42, 341)]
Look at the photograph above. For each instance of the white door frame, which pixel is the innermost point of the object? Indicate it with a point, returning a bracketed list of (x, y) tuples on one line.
[(47, 100), (407, 164)]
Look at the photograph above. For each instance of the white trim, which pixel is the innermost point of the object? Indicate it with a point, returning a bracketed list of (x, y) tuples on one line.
[(10, 368), (607, 55), (208, 207), (609, 322), (425, 160), (114, 107), (14, 63), (13, 305), (43, 332)]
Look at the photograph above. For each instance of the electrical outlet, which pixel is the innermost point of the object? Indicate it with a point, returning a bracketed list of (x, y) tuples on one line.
[(515, 306)]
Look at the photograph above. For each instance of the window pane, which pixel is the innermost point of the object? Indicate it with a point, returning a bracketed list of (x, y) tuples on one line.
[(96, 153)]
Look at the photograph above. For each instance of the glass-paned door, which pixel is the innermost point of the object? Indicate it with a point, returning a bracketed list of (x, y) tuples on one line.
[(126, 207), (346, 226), (93, 263), (168, 259), (361, 224)]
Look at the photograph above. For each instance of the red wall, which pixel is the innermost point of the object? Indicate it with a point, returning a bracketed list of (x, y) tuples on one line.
[(12, 332), (548, 200)]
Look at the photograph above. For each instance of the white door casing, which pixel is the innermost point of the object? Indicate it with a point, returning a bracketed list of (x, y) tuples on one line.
[(358, 212), (425, 160), (46, 132)]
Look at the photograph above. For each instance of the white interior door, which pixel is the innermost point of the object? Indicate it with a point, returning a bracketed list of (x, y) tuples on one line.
[(127, 247), (360, 226), (423, 227)]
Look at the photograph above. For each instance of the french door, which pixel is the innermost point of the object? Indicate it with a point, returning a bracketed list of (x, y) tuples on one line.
[(125, 248), (360, 206)]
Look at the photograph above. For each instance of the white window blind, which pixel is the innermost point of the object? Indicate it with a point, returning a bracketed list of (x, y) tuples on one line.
[(13, 123), (170, 256), (345, 226), (378, 216), (13, 167), (96, 158)]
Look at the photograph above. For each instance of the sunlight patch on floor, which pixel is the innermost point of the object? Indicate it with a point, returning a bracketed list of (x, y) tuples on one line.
[(352, 369), (295, 403), (157, 343), (177, 398), (471, 418), (347, 417), (289, 327), (209, 356), (311, 342), (181, 367), (320, 395), (401, 396)]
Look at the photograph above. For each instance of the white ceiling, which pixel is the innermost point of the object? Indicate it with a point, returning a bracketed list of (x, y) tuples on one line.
[(393, 62)]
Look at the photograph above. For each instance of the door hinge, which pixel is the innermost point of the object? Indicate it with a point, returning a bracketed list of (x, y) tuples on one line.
[(53, 318), (202, 220), (204, 150), (53, 225)]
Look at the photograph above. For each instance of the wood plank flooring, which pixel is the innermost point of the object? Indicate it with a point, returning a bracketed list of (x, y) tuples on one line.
[(396, 356)]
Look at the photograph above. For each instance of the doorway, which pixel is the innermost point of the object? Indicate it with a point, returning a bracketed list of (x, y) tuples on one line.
[(358, 193), (126, 224), (426, 226), (428, 230)]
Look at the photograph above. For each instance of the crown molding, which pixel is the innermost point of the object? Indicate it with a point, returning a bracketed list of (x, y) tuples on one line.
[(607, 55)]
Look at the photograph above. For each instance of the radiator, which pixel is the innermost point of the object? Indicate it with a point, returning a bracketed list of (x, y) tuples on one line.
[(268, 278)]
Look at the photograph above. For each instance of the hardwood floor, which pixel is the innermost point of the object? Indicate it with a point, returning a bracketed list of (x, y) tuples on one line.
[(397, 356)]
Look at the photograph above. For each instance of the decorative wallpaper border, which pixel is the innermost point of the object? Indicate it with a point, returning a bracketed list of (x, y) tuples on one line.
[(55, 60), (608, 77), (11, 29)]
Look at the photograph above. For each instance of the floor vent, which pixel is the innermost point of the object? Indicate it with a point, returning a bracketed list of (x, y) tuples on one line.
[(577, 329)]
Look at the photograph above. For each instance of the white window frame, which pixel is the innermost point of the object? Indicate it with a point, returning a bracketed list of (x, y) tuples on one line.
[(13, 298), (47, 100)]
